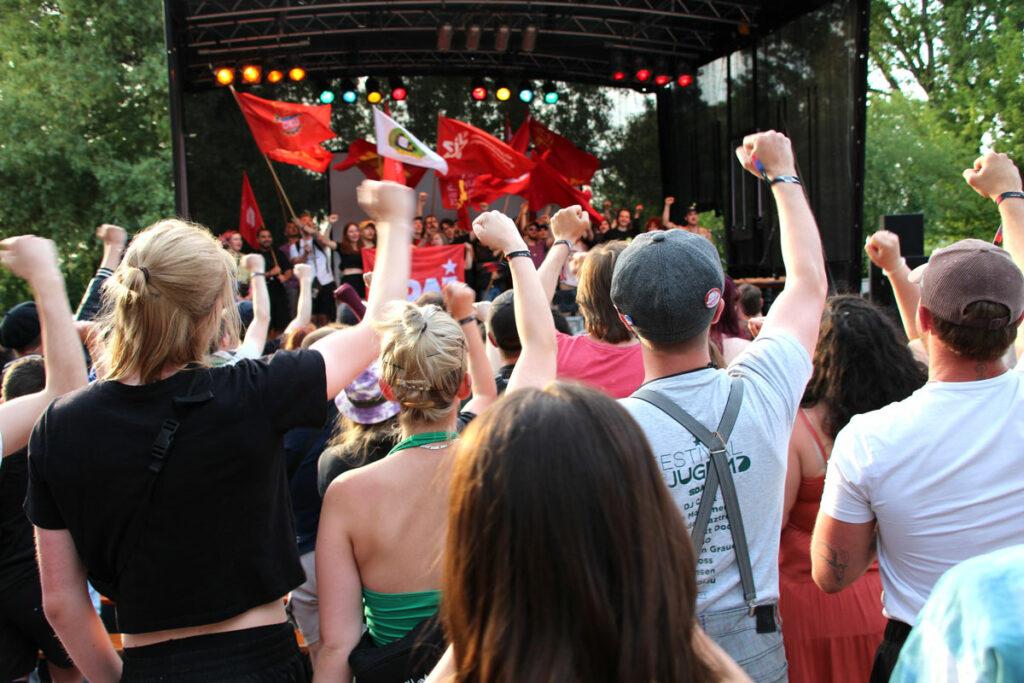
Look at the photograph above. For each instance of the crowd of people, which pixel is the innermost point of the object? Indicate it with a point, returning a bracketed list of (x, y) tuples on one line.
[(230, 448)]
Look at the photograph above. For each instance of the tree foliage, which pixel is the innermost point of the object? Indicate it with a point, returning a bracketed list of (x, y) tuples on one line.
[(83, 110)]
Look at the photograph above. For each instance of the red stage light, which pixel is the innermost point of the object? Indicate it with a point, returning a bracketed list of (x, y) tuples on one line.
[(398, 94), (643, 75), (662, 80), (619, 76), (684, 80), (479, 93)]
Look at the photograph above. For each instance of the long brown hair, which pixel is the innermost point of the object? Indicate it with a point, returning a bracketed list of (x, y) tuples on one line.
[(566, 559), (594, 294)]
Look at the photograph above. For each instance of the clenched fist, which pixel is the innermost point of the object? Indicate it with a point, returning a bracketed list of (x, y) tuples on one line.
[(253, 263), (30, 257), (992, 175), (772, 149), (304, 272), (458, 300), (497, 231), (386, 202), (883, 248), (570, 223)]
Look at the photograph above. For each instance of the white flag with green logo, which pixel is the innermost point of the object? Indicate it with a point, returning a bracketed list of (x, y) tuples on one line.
[(395, 142)]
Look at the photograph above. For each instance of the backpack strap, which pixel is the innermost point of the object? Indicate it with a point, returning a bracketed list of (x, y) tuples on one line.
[(718, 474)]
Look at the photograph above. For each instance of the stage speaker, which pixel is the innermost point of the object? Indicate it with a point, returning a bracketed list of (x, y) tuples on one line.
[(910, 229)]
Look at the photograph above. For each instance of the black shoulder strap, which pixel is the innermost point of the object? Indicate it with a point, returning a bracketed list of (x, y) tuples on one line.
[(718, 474), (159, 452)]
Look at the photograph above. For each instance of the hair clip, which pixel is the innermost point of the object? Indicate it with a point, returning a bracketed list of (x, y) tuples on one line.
[(145, 273)]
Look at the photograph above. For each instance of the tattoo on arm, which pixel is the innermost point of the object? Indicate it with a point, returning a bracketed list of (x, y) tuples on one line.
[(837, 559)]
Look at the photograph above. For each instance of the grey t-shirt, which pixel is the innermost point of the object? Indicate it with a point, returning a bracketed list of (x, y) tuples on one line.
[(774, 368)]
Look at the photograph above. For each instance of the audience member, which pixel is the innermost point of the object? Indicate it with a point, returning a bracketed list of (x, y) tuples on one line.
[(276, 271), (750, 305), (368, 231), (565, 474), (284, 252), (727, 332), (860, 364), (218, 609), (903, 476), (351, 253), (312, 250), (668, 288)]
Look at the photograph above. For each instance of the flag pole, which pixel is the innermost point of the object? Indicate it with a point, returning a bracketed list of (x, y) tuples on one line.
[(281, 194)]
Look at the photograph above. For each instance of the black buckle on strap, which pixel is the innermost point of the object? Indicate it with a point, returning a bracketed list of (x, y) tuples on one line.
[(765, 616), (162, 445)]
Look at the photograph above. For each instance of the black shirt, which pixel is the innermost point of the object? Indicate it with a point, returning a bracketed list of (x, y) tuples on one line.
[(17, 548), (218, 537)]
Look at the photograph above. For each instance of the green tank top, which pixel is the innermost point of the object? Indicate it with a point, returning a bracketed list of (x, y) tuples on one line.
[(389, 616)]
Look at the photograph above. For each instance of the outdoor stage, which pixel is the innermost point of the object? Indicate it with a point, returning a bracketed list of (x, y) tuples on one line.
[(798, 66)]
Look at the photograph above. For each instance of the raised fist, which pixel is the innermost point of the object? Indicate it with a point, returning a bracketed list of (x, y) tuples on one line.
[(497, 231), (458, 300), (883, 248), (570, 223), (992, 175), (112, 234), (606, 204), (333, 218), (304, 272), (772, 149), (423, 196), (29, 257), (669, 201), (386, 202), (253, 263)]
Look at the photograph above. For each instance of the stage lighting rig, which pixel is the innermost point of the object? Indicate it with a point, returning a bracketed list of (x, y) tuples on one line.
[(684, 80), (349, 92), (398, 90), (478, 91), (296, 73), (618, 68), (373, 92), (503, 92), (224, 75), (550, 93), (252, 74), (275, 75), (326, 95), (526, 92), (662, 75)]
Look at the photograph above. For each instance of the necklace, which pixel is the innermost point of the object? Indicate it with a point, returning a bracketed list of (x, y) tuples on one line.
[(432, 441)]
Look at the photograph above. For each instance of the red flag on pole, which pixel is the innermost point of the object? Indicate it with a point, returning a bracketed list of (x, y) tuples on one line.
[(249, 220), (547, 186), (432, 268), (520, 142), (571, 162), (288, 132), (471, 151), (363, 154)]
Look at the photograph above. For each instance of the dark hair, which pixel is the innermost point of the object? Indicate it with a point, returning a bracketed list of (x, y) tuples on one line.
[(431, 298), (594, 294), (751, 301), (977, 343), (501, 323), (345, 245), (24, 376), (728, 324), (566, 558), (861, 363)]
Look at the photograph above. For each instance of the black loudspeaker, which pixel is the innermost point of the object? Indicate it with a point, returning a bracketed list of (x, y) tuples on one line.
[(910, 229)]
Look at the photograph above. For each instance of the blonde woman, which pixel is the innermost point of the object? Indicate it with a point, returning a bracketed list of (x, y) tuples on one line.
[(164, 482), (382, 561)]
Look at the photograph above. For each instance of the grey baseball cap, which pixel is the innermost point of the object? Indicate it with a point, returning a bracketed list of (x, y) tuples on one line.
[(668, 284)]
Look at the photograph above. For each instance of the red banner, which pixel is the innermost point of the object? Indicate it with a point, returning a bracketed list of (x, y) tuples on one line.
[(547, 186), (249, 219), (288, 132), (573, 163), (471, 151), (432, 268)]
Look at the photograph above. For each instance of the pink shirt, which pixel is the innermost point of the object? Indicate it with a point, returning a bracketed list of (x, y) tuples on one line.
[(616, 370)]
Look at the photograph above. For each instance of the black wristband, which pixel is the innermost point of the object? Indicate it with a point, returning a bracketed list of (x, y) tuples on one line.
[(467, 319), (522, 252), (786, 179), (567, 243), (1009, 195), (252, 275)]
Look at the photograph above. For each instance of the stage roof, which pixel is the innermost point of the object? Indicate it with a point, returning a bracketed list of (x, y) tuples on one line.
[(575, 41)]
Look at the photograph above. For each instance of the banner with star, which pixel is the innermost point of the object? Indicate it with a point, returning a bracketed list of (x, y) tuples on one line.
[(432, 268)]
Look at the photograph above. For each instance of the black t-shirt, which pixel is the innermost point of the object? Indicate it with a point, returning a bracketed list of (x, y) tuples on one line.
[(218, 537), (17, 548), (504, 375)]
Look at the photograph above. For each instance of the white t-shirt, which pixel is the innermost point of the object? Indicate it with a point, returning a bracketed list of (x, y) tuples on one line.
[(774, 368), (943, 473), (318, 258)]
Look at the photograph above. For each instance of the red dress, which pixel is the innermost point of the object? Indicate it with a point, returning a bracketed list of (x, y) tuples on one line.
[(827, 637)]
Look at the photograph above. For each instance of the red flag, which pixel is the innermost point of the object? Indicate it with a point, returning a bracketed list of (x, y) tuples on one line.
[(547, 186), (470, 151), (432, 268), (478, 189), (249, 220), (521, 140), (363, 154), (574, 164), (281, 128)]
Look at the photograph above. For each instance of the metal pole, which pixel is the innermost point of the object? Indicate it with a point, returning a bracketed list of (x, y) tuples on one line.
[(176, 108)]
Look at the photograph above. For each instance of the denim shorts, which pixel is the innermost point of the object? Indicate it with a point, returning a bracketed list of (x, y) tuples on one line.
[(760, 655)]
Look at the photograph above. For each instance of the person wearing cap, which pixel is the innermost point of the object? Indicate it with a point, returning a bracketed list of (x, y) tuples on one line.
[(667, 287), (930, 481), (691, 222), (19, 329)]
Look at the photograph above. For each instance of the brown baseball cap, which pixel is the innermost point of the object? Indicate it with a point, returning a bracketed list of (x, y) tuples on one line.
[(966, 272)]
